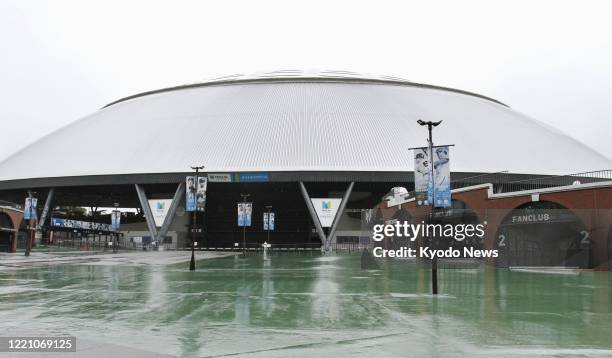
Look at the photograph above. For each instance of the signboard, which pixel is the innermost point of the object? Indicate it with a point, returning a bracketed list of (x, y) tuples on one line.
[(201, 193), (439, 188), (115, 219), (220, 178), (244, 214), (29, 209), (268, 221), (239, 177), (190, 193), (83, 225), (326, 209), (251, 177), (159, 209)]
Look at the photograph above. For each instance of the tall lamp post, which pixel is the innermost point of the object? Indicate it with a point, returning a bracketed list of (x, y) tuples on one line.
[(31, 228), (116, 235), (268, 207), (434, 262), (244, 198), (194, 222)]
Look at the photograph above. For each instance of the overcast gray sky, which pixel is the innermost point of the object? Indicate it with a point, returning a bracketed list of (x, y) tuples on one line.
[(61, 60)]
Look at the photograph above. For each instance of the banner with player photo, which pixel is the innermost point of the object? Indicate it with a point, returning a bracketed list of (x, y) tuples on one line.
[(244, 214), (29, 209), (421, 176), (268, 221), (441, 185), (115, 219), (439, 188), (201, 193), (190, 194)]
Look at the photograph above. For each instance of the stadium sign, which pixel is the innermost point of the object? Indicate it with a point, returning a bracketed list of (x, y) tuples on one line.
[(326, 209), (220, 178), (83, 225), (159, 209)]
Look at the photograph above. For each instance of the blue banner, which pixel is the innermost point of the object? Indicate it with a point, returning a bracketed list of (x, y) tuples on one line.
[(115, 220), (244, 214), (29, 210), (190, 193), (441, 184), (268, 221), (251, 177)]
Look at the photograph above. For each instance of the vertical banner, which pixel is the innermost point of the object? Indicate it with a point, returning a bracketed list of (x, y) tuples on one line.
[(190, 195), (29, 209), (441, 184), (421, 176), (244, 214), (201, 193), (268, 220), (240, 214), (271, 222), (427, 188), (115, 219), (247, 213)]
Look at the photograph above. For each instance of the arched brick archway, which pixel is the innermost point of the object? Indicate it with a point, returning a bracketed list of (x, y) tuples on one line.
[(543, 233), (7, 233), (610, 248)]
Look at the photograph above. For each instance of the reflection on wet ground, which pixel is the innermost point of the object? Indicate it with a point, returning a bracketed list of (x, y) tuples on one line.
[(312, 305)]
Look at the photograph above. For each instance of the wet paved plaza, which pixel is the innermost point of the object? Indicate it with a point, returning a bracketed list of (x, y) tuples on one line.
[(306, 306)]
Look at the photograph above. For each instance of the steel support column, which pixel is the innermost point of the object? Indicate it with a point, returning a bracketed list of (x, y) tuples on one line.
[(144, 204), (45, 212), (332, 230), (313, 213), (178, 195)]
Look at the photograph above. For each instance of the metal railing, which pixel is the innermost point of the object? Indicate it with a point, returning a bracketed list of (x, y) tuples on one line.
[(504, 182), (9, 204)]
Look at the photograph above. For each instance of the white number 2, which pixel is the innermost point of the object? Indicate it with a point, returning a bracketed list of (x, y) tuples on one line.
[(585, 237), (502, 239)]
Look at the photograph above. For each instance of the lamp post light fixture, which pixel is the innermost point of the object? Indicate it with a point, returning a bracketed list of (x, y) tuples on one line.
[(434, 262), (244, 198), (194, 223)]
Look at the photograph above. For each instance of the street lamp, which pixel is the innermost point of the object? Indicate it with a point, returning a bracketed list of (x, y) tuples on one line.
[(244, 198), (116, 236), (434, 262), (194, 222), (30, 225)]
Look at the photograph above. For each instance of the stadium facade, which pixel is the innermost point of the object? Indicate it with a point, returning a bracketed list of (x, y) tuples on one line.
[(282, 137)]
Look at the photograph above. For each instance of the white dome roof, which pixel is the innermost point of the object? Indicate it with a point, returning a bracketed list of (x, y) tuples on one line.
[(332, 121)]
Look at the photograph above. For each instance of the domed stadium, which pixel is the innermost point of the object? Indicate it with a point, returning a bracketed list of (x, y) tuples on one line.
[(280, 137)]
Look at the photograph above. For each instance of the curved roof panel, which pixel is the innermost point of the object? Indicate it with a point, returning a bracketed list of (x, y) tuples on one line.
[(298, 124)]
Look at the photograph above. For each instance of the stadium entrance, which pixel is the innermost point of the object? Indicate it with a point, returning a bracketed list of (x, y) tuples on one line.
[(6, 231), (543, 234)]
